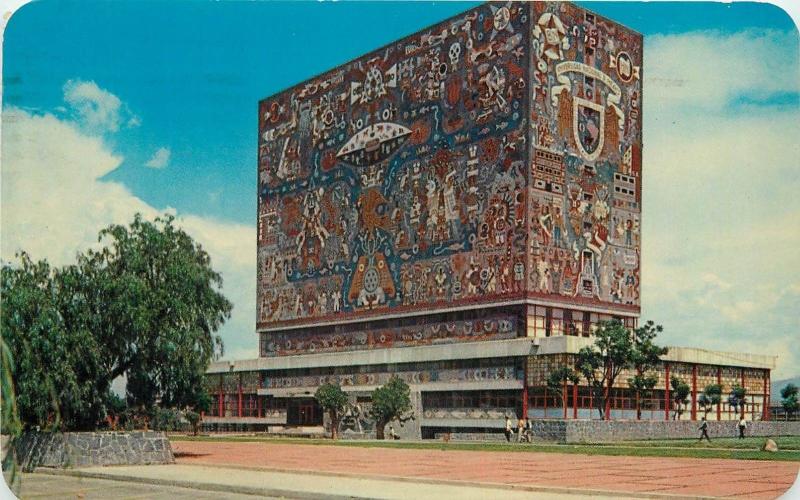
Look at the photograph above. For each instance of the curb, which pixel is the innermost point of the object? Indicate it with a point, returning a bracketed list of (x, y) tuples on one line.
[(221, 488), (276, 492)]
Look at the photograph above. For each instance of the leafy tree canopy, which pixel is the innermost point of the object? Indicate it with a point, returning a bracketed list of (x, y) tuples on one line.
[(615, 349), (789, 399), (332, 399), (711, 395), (146, 304), (390, 402), (680, 395)]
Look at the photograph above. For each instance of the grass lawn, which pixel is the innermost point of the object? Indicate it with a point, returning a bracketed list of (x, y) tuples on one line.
[(745, 449), (788, 443)]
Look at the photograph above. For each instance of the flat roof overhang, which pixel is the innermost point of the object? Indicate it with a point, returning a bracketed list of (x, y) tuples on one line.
[(523, 346)]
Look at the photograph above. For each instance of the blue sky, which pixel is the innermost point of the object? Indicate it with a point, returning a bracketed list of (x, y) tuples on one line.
[(152, 106)]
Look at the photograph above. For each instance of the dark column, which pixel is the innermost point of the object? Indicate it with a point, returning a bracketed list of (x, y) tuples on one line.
[(221, 399)]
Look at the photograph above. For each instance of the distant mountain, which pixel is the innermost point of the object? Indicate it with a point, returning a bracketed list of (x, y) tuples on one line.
[(777, 385)]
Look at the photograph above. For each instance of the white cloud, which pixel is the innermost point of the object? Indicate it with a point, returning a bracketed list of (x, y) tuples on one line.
[(704, 70), (160, 158), (721, 210), (96, 109), (53, 205)]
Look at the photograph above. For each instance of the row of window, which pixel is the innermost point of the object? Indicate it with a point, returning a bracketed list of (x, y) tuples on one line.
[(553, 321), (471, 399), (454, 364)]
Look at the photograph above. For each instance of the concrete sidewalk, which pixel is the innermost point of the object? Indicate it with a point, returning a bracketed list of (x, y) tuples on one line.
[(235, 482)]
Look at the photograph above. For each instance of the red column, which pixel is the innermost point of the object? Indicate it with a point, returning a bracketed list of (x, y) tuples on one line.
[(240, 394), (719, 382), (666, 391), (743, 405), (575, 401), (545, 401), (525, 390), (765, 404), (564, 398), (258, 403), (694, 392)]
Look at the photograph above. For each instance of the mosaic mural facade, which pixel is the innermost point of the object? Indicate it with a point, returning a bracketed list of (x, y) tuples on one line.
[(493, 157), (424, 333), (585, 157), (508, 372)]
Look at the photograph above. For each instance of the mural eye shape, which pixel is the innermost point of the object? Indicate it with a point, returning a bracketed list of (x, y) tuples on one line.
[(373, 144), (381, 264), (361, 268)]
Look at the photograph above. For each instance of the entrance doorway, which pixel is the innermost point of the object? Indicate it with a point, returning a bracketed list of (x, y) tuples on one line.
[(303, 412)]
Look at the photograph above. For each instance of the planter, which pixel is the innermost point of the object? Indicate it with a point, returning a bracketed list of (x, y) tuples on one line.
[(87, 449)]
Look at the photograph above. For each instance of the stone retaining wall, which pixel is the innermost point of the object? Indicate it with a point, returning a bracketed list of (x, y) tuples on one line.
[(598, 431), (86, 449)]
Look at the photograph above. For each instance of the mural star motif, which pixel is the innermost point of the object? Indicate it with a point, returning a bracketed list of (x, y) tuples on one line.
[(502, 19)]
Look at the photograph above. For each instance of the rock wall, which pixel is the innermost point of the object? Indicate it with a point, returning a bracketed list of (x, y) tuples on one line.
[(86, 449), (598, 431)]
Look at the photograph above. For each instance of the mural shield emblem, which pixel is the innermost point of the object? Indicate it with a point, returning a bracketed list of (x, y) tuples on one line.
[(588, 127)]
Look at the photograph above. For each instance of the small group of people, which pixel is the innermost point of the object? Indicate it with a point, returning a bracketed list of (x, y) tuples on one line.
[(742, 426), (524, 430)]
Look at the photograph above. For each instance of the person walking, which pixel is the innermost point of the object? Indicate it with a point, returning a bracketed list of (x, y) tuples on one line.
[(508, 430), (528, 431), (520, 430), (704, 430), (742, 427)]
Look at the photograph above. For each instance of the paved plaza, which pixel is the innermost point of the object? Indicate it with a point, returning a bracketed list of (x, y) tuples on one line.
[(570, 473)]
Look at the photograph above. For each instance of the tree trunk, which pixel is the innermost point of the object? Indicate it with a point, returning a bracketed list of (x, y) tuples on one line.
[(607, 394), (379, 427), (638, 407), (334, 424)]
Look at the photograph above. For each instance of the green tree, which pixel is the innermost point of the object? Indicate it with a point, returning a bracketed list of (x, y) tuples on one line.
[(57, 369), (147, 304), (557, 378), (194, 420), (737, 399), (711, 395), (9, 420), (680, 396), (332, 399), (390, 402), (789, 400), (163, 306), (645, 357), (601, 363)]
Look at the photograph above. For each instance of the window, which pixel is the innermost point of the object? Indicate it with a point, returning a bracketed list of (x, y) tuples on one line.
[(587, 324), (548, 322)]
